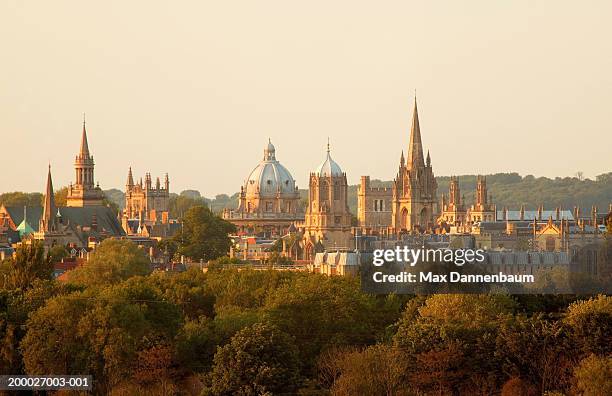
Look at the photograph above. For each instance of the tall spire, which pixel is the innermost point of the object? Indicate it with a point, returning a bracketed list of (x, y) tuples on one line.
[(415, 149), (130, 178), (84, 151), (49, 209)]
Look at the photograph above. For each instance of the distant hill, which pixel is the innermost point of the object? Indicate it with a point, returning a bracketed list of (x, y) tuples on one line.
[(512, 190), (508, 189)]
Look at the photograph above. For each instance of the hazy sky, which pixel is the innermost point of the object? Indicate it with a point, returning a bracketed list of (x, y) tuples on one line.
[(196, 88)]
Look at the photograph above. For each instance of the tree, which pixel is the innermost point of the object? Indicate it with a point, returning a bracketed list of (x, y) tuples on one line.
[(100, 331), (61, 196), (321, 311), (537, 349), (29, 264), (591, 324), (259, 359), (449, 340), (593, 376), (179, 205), (57, 253), (377, 370), (187, 290), (113, 260), (204, 236), (21, 199), (52, 344)]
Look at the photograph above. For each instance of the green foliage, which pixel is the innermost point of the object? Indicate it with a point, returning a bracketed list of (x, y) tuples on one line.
[(246, 288), (449, 341), (114, 260), (99, 331), (322, 311), (204, 236), (178, 206), (115, 198), (57, 253), (376, 370), (536, 348), (29, 264), (591, 324), (188, 290), (593, 376), (21, 199), (259, 359)]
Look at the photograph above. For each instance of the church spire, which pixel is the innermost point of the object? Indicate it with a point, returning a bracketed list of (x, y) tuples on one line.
[(130, 178), (49, 209), (84, 151), (415, 149)]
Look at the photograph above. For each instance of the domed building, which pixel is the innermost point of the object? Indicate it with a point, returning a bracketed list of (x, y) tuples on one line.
[(327, 224), (269, 198)]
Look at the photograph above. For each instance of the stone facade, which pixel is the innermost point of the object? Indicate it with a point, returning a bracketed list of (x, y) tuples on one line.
[(413, 196), (269, 199), (374, 205), (328, 221), (145, 201), (83, 192)]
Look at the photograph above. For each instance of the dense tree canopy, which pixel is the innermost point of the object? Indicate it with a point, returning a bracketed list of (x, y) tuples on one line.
[(114, 260), (270, 331), (30, 263), (204, 235), (260, 359)]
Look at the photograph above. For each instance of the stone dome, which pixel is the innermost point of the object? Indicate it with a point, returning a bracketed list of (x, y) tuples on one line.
[(269, 177), (329, 167)]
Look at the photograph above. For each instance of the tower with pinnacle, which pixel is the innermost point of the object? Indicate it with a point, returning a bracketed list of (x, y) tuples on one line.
[(327, 221), (145, 201), (414, 188), (84, 191), (407, 204)]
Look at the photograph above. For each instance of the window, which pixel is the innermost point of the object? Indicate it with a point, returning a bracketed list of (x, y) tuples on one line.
[(268, 206), (337, 191)]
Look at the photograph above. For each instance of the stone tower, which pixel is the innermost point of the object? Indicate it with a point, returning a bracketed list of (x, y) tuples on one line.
[(483, 209), (84, 192), (328, 221), (145, 201), (414, 188), (453, 211)]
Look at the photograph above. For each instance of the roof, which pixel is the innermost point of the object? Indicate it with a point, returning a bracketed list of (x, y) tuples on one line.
[(329, 167), (82, 216), (33, 214), (269, 177), (514, 215)]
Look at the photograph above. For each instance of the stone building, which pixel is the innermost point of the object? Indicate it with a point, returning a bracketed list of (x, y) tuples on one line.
[(269, 199), (83, 192), (483, 209), (453, 211), (413, 196), (84, 222), (374, 206), (328, 221), (145, 201)]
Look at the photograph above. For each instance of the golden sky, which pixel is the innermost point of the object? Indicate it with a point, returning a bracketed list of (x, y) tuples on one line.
[(195, 88)]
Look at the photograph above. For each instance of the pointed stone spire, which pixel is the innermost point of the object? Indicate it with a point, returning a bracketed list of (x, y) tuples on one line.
[(402, 160), (130, 178), (84, 151), (48, 220), (428, 161), (415, 148)]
